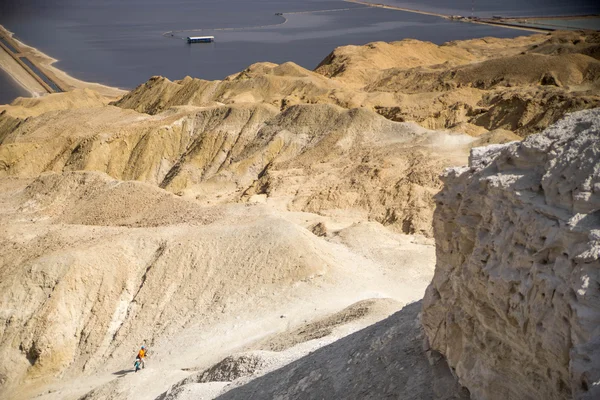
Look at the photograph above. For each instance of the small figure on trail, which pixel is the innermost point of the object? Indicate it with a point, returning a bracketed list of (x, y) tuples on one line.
[(139, 359)]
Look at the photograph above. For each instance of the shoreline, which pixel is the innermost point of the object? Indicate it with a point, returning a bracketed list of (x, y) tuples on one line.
[(19, 75), (502, 22), (25, 77)]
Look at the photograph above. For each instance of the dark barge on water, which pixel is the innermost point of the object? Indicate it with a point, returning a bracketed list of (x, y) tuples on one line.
[(200, 39)]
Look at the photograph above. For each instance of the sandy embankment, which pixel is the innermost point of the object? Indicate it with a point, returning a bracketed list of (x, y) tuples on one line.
[(24, 78), (19, 74)]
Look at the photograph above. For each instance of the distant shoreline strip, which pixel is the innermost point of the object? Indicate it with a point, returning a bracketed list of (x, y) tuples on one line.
[(175, 33), (504, 22)]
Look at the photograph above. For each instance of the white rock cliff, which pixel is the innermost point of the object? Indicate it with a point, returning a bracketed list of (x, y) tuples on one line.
[(515, 301)]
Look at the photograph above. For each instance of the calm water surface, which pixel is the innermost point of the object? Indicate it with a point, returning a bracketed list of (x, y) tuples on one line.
[(121, 43)]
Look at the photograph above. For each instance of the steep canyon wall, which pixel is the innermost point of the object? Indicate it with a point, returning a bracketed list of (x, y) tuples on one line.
[(515, 301)]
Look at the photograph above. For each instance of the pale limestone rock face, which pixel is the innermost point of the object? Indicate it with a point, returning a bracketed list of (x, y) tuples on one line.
[(515, 301)]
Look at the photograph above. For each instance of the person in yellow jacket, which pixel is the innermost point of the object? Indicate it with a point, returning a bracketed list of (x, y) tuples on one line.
[(141, 356)]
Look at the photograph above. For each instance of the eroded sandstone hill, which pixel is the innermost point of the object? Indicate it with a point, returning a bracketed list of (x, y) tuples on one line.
[(314, 141), (317, 158), (515, 301), (91, 265)]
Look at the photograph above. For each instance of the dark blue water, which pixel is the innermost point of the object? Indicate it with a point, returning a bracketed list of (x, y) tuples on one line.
[(120, 42)]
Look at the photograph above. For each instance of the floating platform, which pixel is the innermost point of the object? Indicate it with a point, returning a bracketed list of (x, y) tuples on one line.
[(200, 39)]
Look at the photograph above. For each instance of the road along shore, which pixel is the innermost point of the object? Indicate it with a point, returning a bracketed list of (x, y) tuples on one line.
[(33, 70), (31, 64), (20, 75), (509, 23)]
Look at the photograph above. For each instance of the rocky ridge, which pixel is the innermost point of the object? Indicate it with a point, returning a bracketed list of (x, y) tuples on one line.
[(514, 304)]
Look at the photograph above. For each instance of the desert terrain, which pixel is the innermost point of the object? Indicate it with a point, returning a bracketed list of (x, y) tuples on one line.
[(272, 234)]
